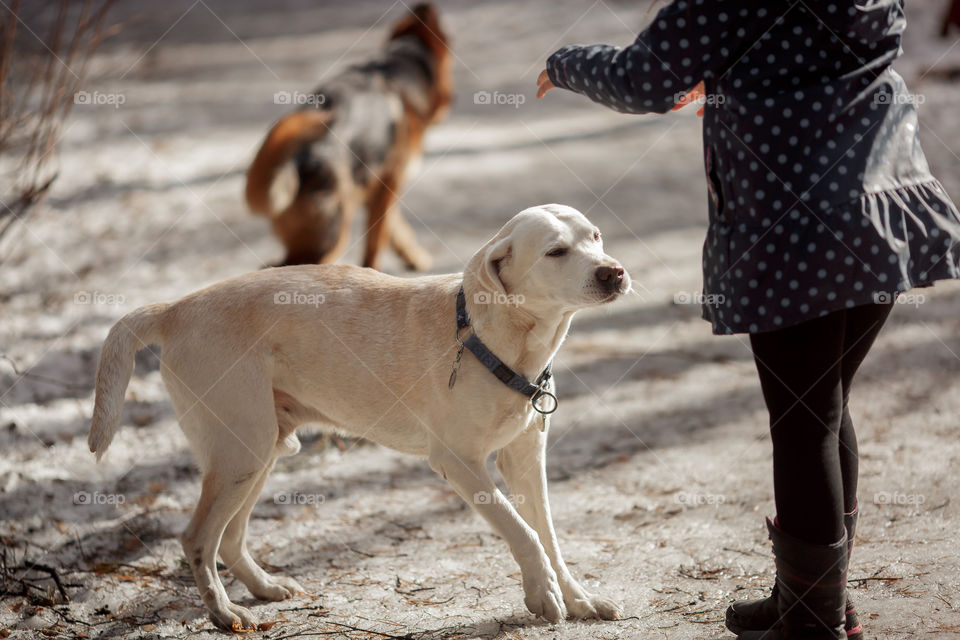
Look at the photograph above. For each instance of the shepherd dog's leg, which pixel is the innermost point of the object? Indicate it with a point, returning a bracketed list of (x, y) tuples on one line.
[(404, 241), (382, 196)]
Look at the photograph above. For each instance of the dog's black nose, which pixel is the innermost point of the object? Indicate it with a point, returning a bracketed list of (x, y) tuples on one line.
[(610, 278)]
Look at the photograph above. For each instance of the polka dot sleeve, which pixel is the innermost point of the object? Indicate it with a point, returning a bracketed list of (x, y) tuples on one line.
[(688, 41)]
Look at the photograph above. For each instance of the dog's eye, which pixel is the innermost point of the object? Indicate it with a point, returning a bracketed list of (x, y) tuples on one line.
[(556, 253), (596, 236)]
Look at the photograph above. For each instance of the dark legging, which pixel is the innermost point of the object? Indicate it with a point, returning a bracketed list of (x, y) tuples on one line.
[(805, 372)]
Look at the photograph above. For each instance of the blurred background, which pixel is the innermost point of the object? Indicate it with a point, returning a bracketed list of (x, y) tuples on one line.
[(126, 129)]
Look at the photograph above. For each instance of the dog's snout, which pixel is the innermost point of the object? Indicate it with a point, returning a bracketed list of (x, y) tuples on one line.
[(610, 278)]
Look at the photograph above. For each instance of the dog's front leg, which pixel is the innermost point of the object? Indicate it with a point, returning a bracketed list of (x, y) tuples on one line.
[(523, 466), (469, 478)]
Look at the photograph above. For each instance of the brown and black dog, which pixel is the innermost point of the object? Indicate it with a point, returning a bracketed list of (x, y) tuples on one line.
[(352, 146)]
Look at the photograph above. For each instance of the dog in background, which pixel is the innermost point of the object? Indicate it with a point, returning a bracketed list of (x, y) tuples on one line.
[(352, 147)]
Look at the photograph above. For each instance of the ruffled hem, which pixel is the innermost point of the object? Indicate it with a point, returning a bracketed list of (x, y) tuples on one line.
[(882, 208), (873, 249), (721, 329)]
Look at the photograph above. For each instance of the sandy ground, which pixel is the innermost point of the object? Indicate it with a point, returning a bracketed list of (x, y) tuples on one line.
[(659, 462)]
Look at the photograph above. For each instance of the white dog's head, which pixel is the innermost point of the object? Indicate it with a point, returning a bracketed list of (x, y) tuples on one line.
[(546, 259)]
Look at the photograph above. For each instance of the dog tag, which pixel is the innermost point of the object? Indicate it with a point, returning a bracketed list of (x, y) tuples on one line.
[(456, 366)]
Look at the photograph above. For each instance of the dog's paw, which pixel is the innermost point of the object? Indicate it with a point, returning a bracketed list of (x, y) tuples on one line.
[(233, 617), (277, 588), (596, 607), (291, 585), (544, 598), (606, 608)]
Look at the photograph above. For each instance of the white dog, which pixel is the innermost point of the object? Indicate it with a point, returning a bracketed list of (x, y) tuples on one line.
[(248, 360)]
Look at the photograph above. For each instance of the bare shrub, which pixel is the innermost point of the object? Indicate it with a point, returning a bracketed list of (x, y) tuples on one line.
[(44, 51)]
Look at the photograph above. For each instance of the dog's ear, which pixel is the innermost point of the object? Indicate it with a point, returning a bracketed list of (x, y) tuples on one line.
[(493, 257), (483, 269), (426, 13), (422, 21)]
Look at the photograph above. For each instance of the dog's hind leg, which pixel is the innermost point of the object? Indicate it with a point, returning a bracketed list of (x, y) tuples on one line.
[(232, 430), (404, 241), (382, 198), (312, 235), (334, 236), (233, 547), (523, 466), (297, 228), (233, 550), (227, 482)]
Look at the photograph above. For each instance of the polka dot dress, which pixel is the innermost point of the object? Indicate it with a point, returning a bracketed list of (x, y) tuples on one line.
[(819, 194)]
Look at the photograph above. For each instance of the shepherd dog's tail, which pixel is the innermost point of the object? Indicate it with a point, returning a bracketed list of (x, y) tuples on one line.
[(268, 192)]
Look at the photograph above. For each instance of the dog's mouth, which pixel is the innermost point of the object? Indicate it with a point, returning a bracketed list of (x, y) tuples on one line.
[(611, 297), (606, 296)]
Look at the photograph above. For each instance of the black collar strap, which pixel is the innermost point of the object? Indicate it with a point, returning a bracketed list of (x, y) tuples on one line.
[(543, 400)]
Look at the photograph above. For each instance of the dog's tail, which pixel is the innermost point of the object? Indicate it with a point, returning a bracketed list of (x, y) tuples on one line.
[(133, 332), (266, 193)]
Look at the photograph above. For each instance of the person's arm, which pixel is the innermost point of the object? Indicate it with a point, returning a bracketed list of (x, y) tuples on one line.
[(688, 41)]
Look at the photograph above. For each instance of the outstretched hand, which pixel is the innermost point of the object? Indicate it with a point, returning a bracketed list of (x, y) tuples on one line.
[(691, 96), (544, 84)]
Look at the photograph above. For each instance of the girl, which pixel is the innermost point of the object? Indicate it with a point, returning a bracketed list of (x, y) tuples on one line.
[(822, 209)]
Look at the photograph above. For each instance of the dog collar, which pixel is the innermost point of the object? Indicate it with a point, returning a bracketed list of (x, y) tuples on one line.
[(543, 400)]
